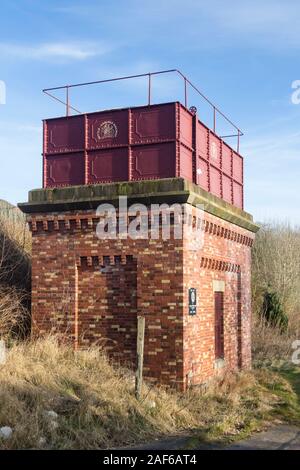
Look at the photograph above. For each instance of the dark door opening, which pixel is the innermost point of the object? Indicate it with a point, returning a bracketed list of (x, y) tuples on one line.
[(219, 325)]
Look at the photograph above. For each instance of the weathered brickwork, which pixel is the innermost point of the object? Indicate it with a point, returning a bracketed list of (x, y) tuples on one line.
[(226, 257), (92, 290)]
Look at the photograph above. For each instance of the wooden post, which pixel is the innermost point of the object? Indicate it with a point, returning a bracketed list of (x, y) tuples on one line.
[(2, 352), (140, 356)]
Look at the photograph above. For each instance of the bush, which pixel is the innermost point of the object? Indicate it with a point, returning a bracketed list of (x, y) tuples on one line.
[(15, 272), (275, 292), (14, 314), (276, 268), (273, 312)]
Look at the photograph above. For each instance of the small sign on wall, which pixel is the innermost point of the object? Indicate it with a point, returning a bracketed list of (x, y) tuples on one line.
[(192, 301)]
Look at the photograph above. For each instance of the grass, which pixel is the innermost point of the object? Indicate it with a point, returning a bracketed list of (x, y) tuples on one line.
[(96, 406), (273, 398), (15, 268), (289, 406)]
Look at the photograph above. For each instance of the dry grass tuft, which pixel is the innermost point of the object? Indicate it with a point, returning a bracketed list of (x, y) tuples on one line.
[(14, 316), (15, 267), (15, 247), (97, 408), (270, 346)]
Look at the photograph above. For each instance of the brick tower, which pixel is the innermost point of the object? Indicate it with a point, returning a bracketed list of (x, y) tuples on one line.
[(195, 297)]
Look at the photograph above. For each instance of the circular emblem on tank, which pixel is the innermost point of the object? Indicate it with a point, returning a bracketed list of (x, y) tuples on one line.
[(107, 130), (193, 110)]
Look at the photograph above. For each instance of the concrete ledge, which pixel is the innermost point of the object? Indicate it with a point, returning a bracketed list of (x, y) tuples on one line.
[(218, 286), (219, 364), (171, 190)]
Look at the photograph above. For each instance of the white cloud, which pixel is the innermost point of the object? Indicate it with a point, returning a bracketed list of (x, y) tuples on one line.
[(272, 174), (55, 50), (13, 126), (268, 22)]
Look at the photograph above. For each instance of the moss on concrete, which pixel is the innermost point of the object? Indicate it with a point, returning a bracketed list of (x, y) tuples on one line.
[(148, 192)]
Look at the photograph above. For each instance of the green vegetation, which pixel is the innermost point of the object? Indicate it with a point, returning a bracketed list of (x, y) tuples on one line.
[(289, 406), (272, 311)]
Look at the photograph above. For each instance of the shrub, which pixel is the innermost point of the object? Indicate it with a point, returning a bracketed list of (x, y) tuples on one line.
[(273, 311), (14, 315), (276, 268), (15, 272)]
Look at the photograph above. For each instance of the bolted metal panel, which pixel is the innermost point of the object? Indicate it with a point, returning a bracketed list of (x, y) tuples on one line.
[(108, 165), (202, 140), (64, 170), (153, 161), (226, 159), (107, 129), (237, 167), (214, 150), (202, 173), (227, 188), (145, 142), (64, 134), (186, 127), (215, 177), (152, 124), (186, 163), (238, 195)]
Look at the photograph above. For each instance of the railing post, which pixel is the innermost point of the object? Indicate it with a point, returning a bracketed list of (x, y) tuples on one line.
[(67, 100), (214, 119), (3, 353), (149, 89), (140, 356), (149, 75)]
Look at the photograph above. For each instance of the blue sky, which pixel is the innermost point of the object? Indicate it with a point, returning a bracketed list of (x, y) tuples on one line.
[(243, 55)]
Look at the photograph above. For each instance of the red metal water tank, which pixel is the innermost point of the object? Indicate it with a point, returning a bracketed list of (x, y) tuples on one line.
[(148, 142)]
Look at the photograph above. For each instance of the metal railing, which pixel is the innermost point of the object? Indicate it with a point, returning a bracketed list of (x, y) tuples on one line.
[(216, 111)]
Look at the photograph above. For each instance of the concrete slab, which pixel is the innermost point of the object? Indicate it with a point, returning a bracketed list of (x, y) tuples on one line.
[(282, 437)]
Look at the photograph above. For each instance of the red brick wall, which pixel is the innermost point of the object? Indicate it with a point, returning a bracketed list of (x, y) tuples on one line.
[(107, 306), (225, 256), (71, 295)]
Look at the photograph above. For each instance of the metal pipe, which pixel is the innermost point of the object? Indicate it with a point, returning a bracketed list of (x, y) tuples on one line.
[(185, 93), (214, 120), (67, 100), (209, 102), (149, 89), (186, 82), (227, 136), (110, 80), (61, 101)]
